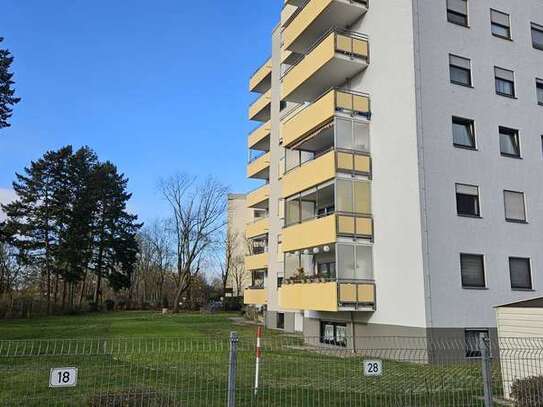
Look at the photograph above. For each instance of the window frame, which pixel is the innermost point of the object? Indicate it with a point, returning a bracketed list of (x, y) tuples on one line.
[(335, 341), (477, 197), (483, 263), (538, 28), (525, 210), (457, 120), (502, 130), (456, 13), (512, 82), (538, 86), (282, 319), (452, 65), (508, 27), (474, 353), (529, 261)]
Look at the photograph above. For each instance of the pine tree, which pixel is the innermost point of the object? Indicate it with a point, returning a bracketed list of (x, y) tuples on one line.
[(7, 93), (115, 245)]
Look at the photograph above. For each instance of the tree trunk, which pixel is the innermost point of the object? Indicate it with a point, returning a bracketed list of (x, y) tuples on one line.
[(98, 276)]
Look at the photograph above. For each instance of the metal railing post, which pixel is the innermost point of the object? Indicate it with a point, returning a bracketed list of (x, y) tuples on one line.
[(232, 369), (486, 368)]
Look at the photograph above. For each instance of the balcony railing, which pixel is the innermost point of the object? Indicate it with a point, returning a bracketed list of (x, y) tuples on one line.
[(258, 136), (256, 262), (258, 196), (335, 57), (308, 119), (326, 230), (259, 227), (261, 79), (333, 296), (260, 109), (255, 296), (313, 17), (259, 168)]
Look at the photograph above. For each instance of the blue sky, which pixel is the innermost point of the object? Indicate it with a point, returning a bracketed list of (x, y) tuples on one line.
[(157, 87)]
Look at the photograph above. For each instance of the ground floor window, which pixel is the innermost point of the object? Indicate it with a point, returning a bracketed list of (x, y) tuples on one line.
[(333, 333), (280, 324), (472, 338)]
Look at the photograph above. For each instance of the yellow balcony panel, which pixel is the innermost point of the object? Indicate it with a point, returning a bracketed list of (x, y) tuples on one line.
[(261, 80), (310, 296), (259, 197), (317, 232), (256, 262), (257, 228), (287, 13), (312, 21), (312, 173), (337, 57), (329, 296), (259, 168), (255, 296), (260, 110), (322, 111), (259, 139), (326, 230)]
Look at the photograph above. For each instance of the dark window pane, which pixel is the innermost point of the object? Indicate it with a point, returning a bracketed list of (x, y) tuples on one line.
[(539, 90), (509, 142), (463, 132), (501, 31), (467, 205), (472, 339), (519, 269), (537, 36), (457, 18), (280, 320), (504, 87), (472, 270), (460, 76)]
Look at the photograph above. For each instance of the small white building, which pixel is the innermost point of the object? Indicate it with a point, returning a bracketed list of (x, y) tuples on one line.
[(520, 337)]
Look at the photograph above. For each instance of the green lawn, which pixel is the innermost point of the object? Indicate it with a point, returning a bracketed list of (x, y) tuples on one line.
[(146, 359), (123, 324)]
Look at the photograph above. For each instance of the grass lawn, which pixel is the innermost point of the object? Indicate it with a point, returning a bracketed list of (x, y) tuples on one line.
[(146, 359)]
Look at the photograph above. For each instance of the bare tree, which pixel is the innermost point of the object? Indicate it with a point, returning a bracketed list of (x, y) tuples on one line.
[(197, 217), (231, 263)]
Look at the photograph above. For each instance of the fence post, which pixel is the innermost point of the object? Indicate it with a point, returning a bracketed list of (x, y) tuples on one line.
[(232, 369), (486, 367)]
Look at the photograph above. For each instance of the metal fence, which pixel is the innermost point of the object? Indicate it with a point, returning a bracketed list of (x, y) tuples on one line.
[(293, 372)]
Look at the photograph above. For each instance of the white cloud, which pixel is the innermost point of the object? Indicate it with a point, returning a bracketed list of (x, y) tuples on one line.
[(6, 196)]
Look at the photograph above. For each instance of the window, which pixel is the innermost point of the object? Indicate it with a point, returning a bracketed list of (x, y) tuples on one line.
[(539, 91), (505, 82), (521, 273), (280, 323), (279, 282), (463, 132), (509, 142), (333, 333), (515, 207), (457, 12), (354, 262), (467, 200), (472, 269), (500, 24), (537, 36), (460, 70), (472, 339)]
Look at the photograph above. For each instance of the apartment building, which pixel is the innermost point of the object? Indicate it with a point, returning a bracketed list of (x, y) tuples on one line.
[(238, 215), (399, 151)]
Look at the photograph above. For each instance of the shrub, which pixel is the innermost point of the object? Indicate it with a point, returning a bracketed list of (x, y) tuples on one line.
[(528, 392), (110, 305)]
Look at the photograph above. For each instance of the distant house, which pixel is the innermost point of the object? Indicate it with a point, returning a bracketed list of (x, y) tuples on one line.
[(520, 336)]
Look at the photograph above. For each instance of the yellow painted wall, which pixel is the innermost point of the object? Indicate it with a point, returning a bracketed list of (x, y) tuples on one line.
[(309, 119), (257, 135), (260, 74), (310, 12), (309, 174), (257, 196), (311, 296), (255, 296), (256, 262), (258, 165), (313, 233), (259, 104), (258, 228)]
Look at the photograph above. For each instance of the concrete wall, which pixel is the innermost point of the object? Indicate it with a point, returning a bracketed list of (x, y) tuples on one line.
[(271, 321), (442, 165), (238, 215)]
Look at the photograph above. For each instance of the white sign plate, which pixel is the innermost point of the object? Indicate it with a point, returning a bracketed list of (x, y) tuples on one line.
[(63, 377), (373, 367)]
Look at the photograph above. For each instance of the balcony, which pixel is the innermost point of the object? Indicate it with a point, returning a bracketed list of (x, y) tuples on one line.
[(324, 168), (259, 197), (258, 228), (259, 139), (321, 112), (328, 296), (315, 17), (335, 58), (260, 167), (326, 230), (287, 13), (260, 110), (261, 80), (256, 262), (255, 296)]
